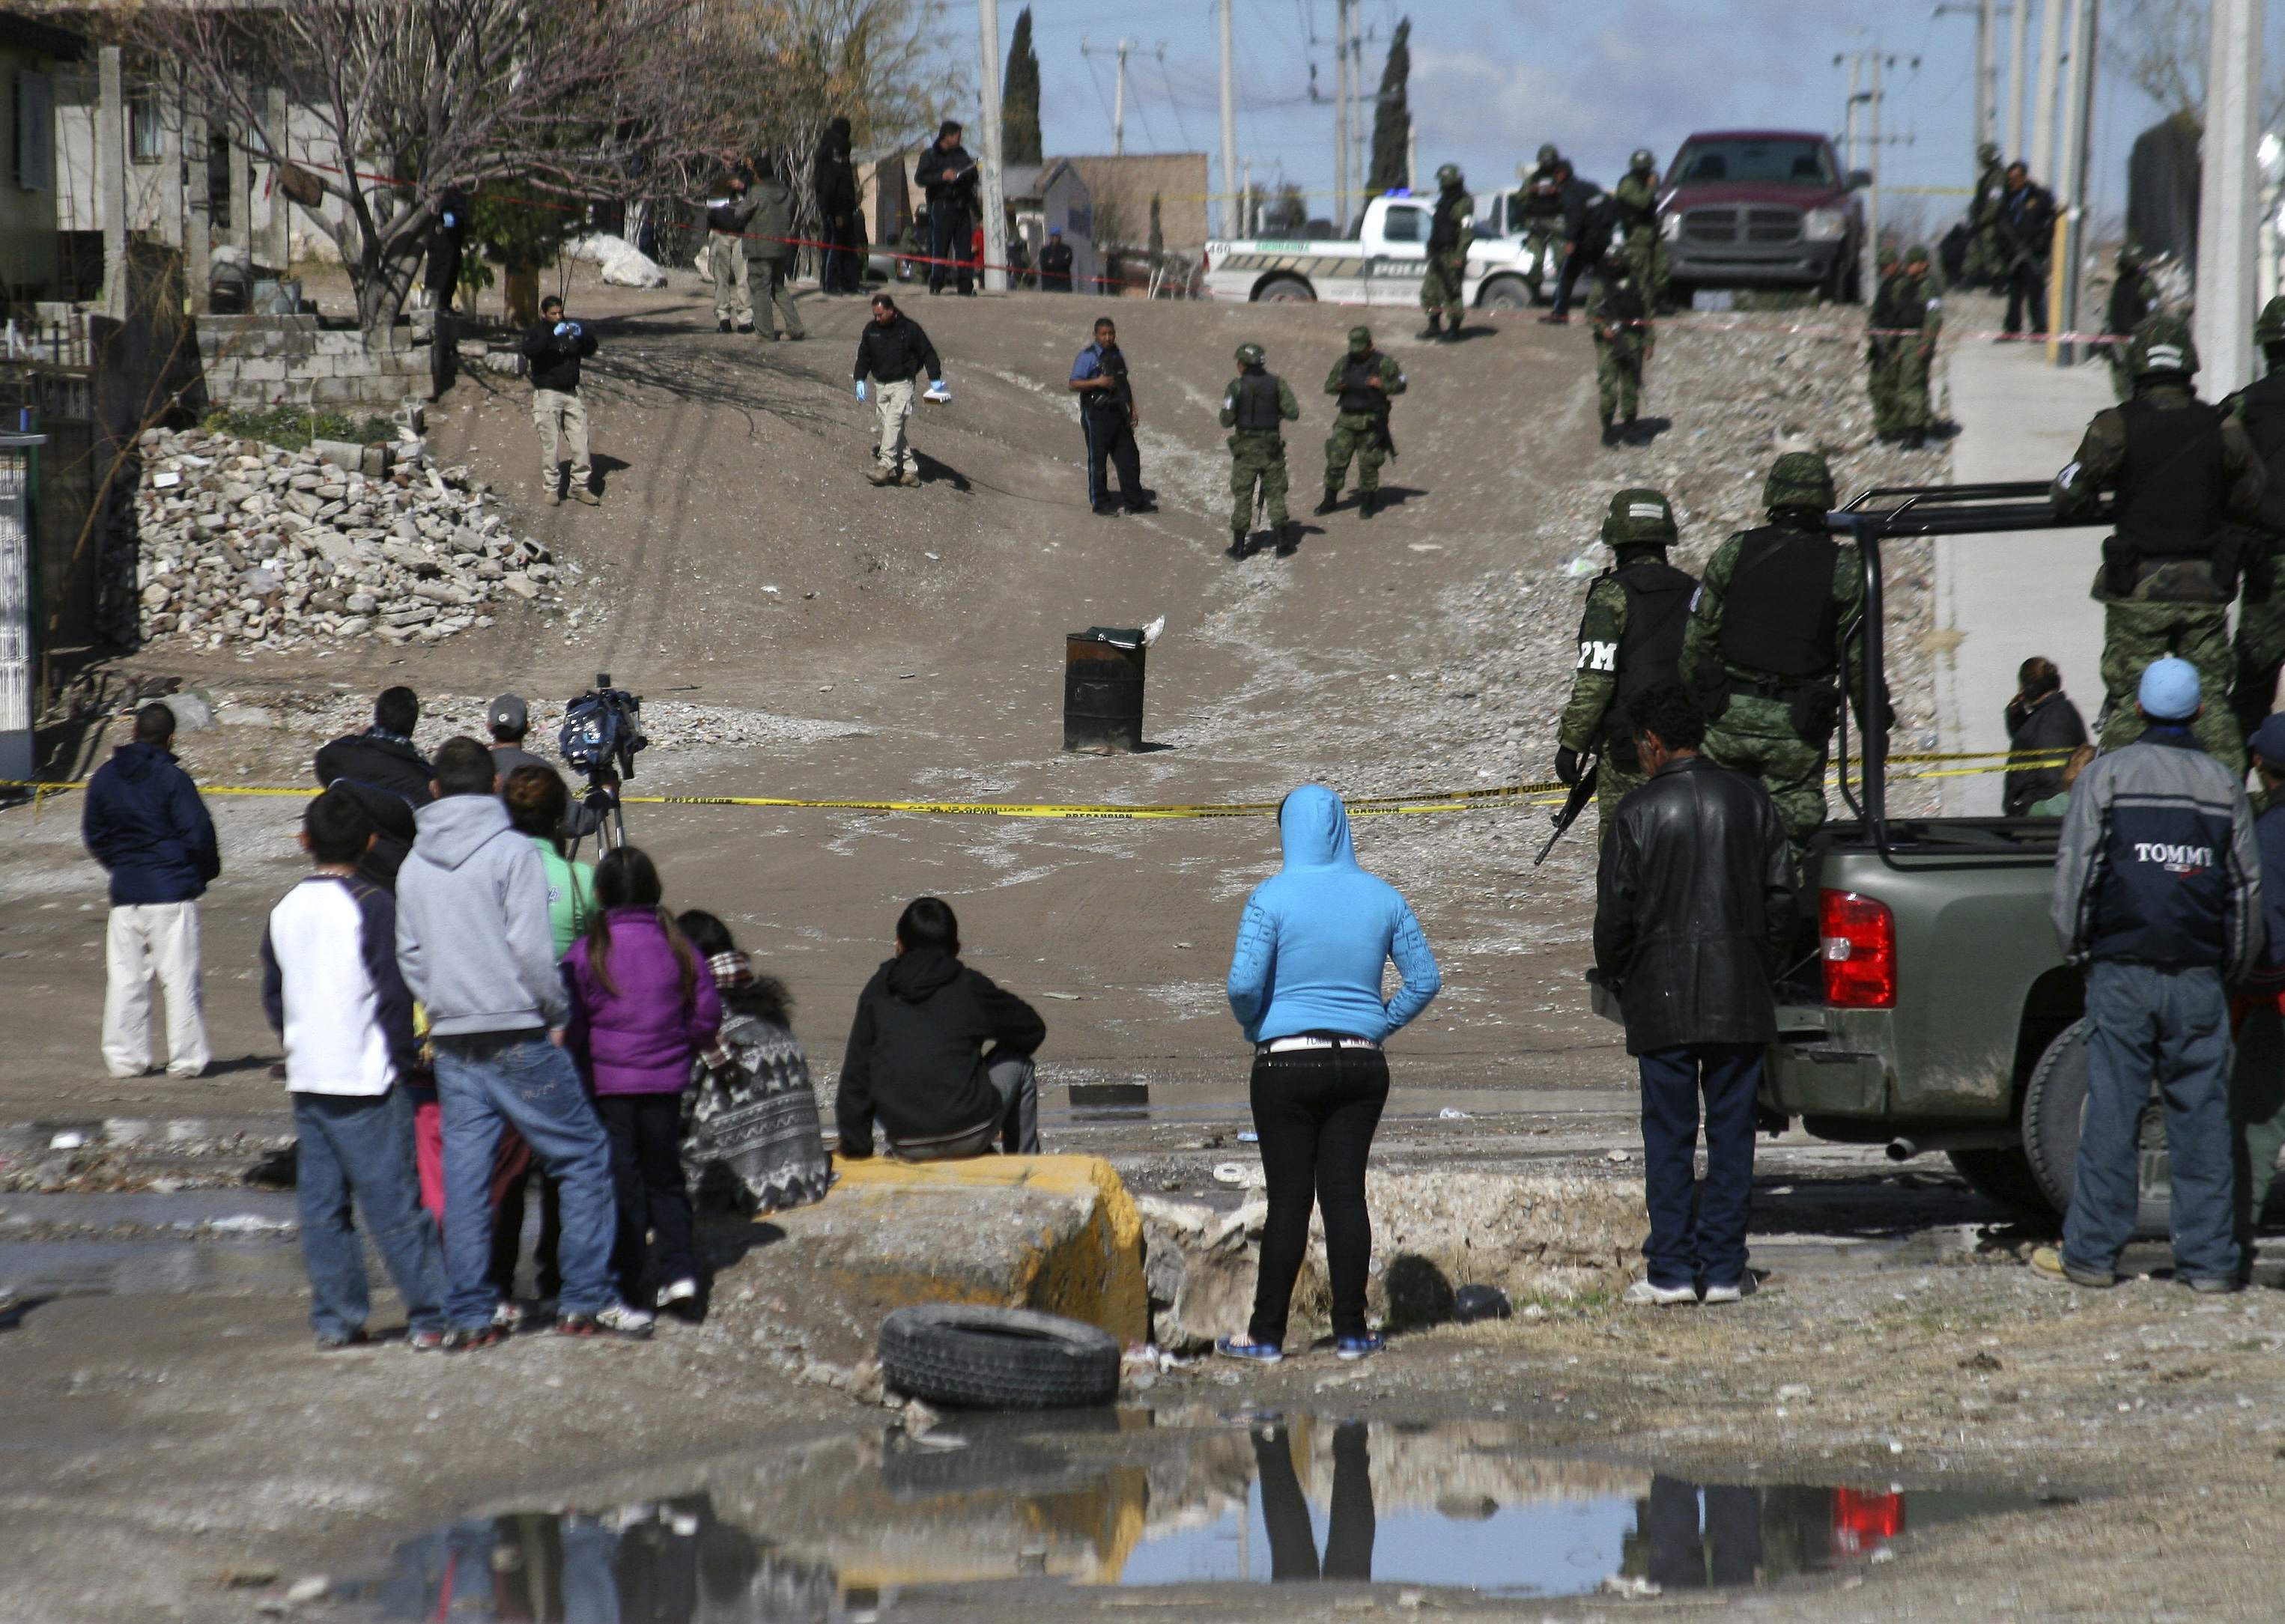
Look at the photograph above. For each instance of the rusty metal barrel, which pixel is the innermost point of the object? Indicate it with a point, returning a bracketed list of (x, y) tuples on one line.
[(1103, 690)]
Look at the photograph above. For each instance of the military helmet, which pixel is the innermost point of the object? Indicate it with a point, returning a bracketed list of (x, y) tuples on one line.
[(1360, 337), (1642, 159), (1917, 254), (2269, 327), (1988, 153), (1448, 175), (1639, 517), (1548, 154), (1799, 479), (1885, 260), (2130, 255), (2162, 345), (1251, 355)]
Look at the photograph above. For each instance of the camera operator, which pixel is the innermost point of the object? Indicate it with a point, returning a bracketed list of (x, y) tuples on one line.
[(554, 348), (510, 720), (1108, 417)]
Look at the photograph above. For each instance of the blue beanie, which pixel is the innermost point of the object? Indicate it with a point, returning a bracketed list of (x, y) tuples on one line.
[(2170, 690)]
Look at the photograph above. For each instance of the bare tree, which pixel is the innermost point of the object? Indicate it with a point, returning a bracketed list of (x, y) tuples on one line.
[(2162, 47), (418, 98)]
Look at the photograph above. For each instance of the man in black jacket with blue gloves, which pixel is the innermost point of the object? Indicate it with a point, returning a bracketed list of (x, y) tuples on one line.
[(892, 352), (553, 349), (2158, 897)]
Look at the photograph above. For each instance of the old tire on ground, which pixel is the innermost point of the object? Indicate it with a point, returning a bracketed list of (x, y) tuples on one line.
[(997, 1358), (1286, 290), (1505, 294), (2053, 1106), (2004, 1176)]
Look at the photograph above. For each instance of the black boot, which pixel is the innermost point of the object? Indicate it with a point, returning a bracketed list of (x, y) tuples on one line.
[(1240, 543), (1368, 504), (721, 326), (1331, 501), (1435, 326), (1289, 539), (1610, 434), (1916, 440)]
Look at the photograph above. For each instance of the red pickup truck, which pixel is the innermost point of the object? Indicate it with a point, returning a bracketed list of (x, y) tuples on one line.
[(1763, 208)]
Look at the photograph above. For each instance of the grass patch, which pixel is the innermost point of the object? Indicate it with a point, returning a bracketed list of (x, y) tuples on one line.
[(1776, 298), (292, 430)]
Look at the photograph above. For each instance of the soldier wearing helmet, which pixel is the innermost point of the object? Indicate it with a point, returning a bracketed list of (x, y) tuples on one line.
[(2134, 299), (1618, 315), (1763, 649), (1629, 640), (2259, 409), (1982, 263), (1641, 244), (1254, 406), (2185, 478), (1538, 208), (1363, 382), (1451, 226), (1907, 316)]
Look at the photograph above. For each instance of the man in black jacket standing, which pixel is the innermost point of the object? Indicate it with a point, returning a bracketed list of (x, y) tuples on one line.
[(1694, 909), (1056, 263), (553, 348), (892, 351), (2025, 226), (387, 776), (834, 176), (947, 174), (918, 1059)]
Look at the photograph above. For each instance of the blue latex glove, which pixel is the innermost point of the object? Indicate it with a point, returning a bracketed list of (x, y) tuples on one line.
[(562, 327), (860, 391)]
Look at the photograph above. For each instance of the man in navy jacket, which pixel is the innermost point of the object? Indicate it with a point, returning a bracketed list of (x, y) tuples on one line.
[(144, 823)]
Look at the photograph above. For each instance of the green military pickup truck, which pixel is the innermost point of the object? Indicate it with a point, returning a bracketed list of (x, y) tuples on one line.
[(1947, 1019)]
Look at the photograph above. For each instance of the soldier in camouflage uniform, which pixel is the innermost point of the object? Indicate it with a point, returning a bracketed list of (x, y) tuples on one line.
[(1642, 246), (1363, 382), (2259, 409), (1984, 260), (1253, 406), (1763, 651), (2133, 301), (1630, 639), (1538, 208), (2186, 477), (1451, 226), (1619, 314), (1907, 316)]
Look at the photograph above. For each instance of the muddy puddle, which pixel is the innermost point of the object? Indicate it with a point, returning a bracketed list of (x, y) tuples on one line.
[(858, 1529)]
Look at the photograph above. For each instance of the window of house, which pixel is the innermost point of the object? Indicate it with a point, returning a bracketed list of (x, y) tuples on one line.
[(33, 147), (143, 143)]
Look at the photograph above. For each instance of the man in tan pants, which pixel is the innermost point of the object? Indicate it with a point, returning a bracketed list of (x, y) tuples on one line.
[(726, 222), (892, 351), (553, 349)]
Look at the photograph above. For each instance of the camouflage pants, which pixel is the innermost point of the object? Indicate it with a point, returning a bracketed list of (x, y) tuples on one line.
[(2136, 633), (1256, 458), (1538, 238), (1619, 375), (1440, 289), (1612, 784), (1982, 263), (2259, 650), (1355, 434), (1756, 735), (1644, 252), (1899, 388)]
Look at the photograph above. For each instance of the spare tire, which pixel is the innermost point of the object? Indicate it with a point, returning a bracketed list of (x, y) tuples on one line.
[(997, 1358)]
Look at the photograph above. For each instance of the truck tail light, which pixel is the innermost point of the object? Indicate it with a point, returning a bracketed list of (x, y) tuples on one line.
[(1859, 942), (1205, 264)]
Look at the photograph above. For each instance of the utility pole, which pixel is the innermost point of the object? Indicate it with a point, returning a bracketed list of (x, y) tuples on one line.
[(1851, 150), (1344, 147), (1987, 72), (2228, 226), (2071, 147), (1118, 108), (1871, 281), (1229, 124), (995, 211), (110, 178), (2043, 108), (2018, 15), (1246, 227)]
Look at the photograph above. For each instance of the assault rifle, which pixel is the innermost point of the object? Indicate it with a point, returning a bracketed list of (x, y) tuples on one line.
[(1583, 790)]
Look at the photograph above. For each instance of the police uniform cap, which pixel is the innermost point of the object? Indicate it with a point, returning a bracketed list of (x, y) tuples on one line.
[(1638, 517), (2162, 345), (2269, 327), (1251, 355), (1799, 479)]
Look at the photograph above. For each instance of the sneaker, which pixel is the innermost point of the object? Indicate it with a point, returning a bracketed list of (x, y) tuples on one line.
[(2047, 1262), (1253, 1353), (910, 479), (508, 1317), (331, 1341), (1649, 1294), (2215, 1286), (425, 1341), (1106, 510), (458, 1340), (618, 1320), (1746, 1287), (1359, 1347), (682, 1290), (584, 496)]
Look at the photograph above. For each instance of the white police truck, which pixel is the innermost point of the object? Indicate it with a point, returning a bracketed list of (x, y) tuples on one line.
[(1385, 264)]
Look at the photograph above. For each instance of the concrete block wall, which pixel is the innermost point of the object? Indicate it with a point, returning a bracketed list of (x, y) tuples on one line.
[(253, 362)]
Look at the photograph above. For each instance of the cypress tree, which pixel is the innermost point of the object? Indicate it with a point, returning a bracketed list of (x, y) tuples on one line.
[(1392, 117), (1019, 97)]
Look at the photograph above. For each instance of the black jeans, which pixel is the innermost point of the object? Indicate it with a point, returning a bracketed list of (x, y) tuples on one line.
[(1709, 1244), (1315, 1110), (1567, 280), (646, 1131), (1111, 439), (1350, 1531), (507, 1237), (951, 237), (2027, 293)]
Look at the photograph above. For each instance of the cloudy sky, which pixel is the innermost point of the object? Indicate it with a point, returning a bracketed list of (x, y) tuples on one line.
[(1492, 79)]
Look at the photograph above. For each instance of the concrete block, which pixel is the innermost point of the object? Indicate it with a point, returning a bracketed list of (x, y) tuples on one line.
[(1055, 1233)]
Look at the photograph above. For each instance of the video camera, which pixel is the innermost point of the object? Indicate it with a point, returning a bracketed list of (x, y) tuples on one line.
[(602, 730)]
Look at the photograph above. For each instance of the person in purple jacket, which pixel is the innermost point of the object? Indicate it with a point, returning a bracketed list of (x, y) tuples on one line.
[(642, 1007)]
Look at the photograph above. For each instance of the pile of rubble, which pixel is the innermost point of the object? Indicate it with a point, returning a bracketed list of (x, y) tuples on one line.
[(243, 543)]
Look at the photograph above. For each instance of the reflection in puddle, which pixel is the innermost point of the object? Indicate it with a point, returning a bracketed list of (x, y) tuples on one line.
[(849, 1528)]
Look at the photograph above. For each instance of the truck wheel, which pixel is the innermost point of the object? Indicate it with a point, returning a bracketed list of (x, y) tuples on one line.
[(2004, 1176), (1286, 290), (2053, 1107), (1505, 294)]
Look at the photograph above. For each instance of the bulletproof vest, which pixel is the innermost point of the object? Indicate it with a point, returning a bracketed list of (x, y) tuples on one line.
[(1634, 210), (1900, 303), (1542, 198), (1444, 222), (1618, 304), (1357, 395), (2170, 489), (1257, 401), (1650, 649), (2261, 408), (1779, 616)]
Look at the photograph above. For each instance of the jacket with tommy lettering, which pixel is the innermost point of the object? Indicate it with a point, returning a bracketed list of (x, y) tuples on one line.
[(2158, 863)]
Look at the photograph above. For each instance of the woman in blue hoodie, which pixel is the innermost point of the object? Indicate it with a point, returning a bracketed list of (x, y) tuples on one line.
[(1305, 984)]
